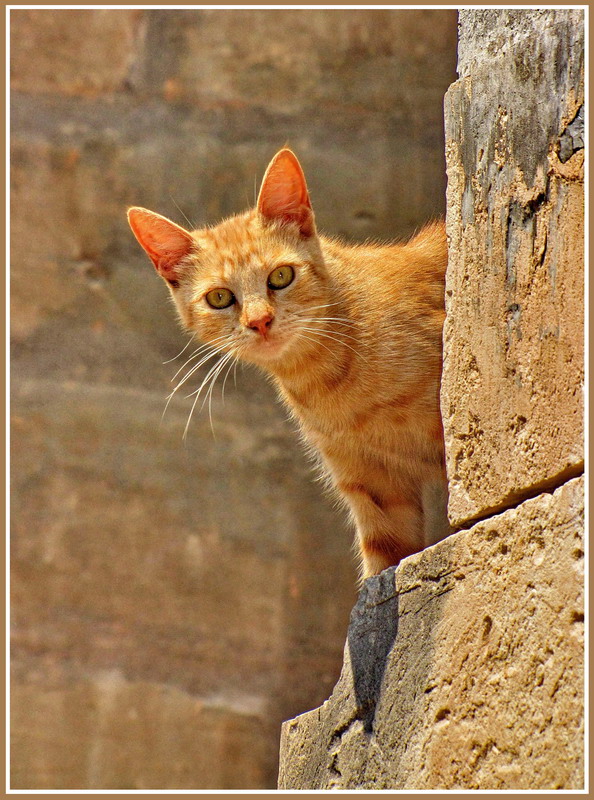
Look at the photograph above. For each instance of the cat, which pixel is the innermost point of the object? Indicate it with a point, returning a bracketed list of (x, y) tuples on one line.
[(351, 335)]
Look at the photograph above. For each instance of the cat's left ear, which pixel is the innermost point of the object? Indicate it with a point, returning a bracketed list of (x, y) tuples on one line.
[(283, 195), (165, 243)]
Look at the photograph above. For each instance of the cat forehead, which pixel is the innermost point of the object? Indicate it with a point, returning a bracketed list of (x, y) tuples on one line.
[(242, 241)]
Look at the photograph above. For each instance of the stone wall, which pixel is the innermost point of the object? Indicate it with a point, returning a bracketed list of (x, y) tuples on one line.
[(512, 396), (172, 605), (463, 666)]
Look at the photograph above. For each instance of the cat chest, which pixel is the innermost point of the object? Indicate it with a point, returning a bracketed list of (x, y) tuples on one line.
[(383, 432), (379, 419)]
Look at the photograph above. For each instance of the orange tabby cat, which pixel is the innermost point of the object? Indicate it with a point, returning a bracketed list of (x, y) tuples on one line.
[(351, 335)]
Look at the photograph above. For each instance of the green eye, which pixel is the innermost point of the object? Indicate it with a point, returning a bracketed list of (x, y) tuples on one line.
[(281, 277), (220, 298)]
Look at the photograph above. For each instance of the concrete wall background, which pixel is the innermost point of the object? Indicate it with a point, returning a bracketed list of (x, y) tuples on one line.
[(171, 605)]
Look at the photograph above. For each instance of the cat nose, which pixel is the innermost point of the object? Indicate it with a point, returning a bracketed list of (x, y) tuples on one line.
[(261, 324)]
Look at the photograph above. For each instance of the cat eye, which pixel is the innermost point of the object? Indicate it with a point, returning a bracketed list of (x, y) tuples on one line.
[(220, 298), (281, 277)]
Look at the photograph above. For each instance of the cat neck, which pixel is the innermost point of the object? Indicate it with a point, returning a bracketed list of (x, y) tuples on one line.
[(324, 362)]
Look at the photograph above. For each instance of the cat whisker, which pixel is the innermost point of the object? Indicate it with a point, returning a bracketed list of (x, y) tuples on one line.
[(196, 353), (197, 366), (198, 391), (209, 381), (211, 369), (188, 343), (185, 433), (344, 335), (219, 368), (311, 339), (209, 394), (331, 337), (338, 320), (214, 348), (343, 320), (302, 314), (325, 305), (214, 351), (181, 212), (184, 379), (233, 364), (229, 368)]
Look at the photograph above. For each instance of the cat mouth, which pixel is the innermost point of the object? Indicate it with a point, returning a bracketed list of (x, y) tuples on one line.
[(270, 346)]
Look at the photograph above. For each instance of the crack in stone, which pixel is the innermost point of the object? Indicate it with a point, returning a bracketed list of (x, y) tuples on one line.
[(432, 579), (342, 729), (424, 605), (548, 486)]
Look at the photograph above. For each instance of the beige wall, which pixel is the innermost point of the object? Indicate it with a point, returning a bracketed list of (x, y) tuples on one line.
[(171, 605)]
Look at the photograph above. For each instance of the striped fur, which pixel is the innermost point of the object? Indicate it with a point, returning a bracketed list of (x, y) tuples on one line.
[(353, 346)]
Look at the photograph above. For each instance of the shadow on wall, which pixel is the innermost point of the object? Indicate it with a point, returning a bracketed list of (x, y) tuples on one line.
[(372, 631), (171, 605)]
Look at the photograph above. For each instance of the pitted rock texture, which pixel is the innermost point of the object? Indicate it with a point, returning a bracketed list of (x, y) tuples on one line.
[(495, 32), (482, 687), (512, 391)]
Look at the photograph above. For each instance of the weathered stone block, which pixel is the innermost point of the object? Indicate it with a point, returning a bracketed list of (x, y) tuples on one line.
[(118, 549), (76, 52), (495, 32), (358, 94), (482, 687), (140, 733), (293, 61), (512, 391)]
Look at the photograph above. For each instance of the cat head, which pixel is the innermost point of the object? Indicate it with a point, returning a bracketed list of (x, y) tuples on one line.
[(252, 284)]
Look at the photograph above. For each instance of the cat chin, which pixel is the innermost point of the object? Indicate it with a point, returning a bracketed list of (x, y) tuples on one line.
[(266, 351)]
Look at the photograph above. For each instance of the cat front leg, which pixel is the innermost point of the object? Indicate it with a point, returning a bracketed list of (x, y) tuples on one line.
[(389, 527)]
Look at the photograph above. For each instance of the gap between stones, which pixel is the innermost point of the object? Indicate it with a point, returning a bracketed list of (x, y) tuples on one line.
[(517, 498)]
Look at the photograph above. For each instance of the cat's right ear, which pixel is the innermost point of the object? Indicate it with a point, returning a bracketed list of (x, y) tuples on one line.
[(165, 243), (283, 195)]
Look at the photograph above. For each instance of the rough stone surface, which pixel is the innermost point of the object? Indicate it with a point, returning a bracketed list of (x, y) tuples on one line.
[(70, 51), (141, 731), (494, 33), (512, 391), (171, 603), (482, 687), (159, 569)]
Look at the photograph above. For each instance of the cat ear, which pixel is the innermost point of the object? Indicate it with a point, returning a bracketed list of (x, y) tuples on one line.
[(283, 195), (164, 241)]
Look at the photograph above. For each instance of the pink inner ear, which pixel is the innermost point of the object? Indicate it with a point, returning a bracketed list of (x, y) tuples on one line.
[(165, 243), (284, 195)]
